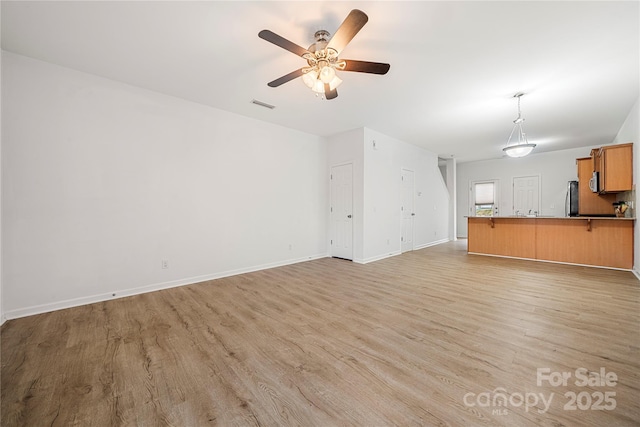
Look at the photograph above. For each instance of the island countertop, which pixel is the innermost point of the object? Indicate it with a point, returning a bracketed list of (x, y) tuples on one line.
[(552, 217), (585, 240)]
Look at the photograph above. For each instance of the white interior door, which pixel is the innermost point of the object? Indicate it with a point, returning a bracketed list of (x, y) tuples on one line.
[(526, 195), (342, 211), (407, 210)]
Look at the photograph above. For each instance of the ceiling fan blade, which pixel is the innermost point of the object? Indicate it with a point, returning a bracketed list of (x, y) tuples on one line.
[(288, 77), (328, 93), (366, 67), (280, 41), (348, 29)]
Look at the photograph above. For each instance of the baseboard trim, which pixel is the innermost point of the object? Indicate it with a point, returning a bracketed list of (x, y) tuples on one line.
[(377, 258), (437, 242), (396, 253), (75, 302)]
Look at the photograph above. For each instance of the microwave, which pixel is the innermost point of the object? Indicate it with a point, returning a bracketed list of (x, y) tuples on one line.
[(594, 182)]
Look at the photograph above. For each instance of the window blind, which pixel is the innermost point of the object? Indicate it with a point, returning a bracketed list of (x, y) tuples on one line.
[(484, 193)]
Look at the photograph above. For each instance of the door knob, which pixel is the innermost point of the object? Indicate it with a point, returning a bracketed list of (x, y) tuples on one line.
[(413, 214), (348, 216)]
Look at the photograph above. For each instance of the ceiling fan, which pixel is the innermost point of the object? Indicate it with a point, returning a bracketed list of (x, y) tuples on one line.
[(322, 57)]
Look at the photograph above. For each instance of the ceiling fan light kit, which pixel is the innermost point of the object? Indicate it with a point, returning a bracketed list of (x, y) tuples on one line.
[(320, 74), (522, 147)]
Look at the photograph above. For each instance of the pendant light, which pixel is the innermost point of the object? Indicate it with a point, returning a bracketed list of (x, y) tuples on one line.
[(521, 147)]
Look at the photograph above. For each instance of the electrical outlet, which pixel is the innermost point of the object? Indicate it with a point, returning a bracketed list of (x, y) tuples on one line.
[(165, 263)]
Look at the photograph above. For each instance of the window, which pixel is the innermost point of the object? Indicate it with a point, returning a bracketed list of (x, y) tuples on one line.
[(483, 198)]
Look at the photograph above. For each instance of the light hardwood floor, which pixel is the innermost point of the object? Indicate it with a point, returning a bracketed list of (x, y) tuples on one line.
[(426, 338)]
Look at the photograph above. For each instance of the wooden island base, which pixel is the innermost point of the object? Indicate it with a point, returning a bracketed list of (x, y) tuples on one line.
[(593, 241)]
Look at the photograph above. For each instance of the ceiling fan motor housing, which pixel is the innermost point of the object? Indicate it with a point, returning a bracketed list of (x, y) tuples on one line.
[(322, 36)]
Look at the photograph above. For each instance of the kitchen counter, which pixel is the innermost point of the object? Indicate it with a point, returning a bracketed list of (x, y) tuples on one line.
[(554, 217), (594, 241)]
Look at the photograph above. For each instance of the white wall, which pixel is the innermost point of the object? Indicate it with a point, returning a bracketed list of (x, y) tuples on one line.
[(382, 196), (555, 169), (101, 181), (2, 317), (376, 198), (630, 132)]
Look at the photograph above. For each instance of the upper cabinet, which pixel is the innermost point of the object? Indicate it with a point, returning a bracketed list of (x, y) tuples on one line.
[(614, 163), (590, 203)]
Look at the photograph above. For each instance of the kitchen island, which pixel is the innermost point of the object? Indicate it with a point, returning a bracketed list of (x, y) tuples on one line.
[(593, 241)]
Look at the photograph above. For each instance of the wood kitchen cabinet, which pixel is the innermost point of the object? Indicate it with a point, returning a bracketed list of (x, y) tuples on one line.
[(514, 237), (597, 241), (601, 242), (615, 166), (590, 203)]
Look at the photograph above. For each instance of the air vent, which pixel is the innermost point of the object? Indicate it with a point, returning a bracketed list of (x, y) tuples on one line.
[(263, 104)]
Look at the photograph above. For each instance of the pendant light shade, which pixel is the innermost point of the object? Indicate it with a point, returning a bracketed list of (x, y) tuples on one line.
[(519, 150), (521, 147)]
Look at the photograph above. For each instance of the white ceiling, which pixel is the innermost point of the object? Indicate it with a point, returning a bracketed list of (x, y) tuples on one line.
[(455, 66)]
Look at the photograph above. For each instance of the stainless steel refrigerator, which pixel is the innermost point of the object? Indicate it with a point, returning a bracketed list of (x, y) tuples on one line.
[(571, 202)]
